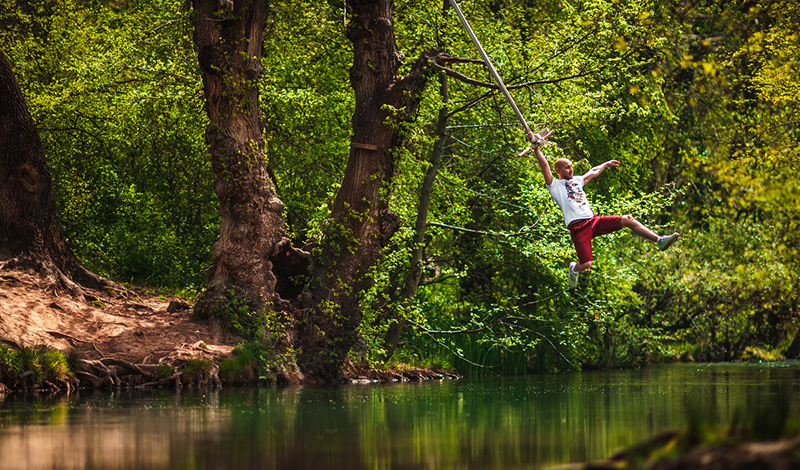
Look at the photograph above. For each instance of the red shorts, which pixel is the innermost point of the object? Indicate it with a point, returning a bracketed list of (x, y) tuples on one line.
[(583, 231)]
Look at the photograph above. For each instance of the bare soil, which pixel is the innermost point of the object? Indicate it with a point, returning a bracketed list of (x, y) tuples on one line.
[(132, 326), (136, 328)]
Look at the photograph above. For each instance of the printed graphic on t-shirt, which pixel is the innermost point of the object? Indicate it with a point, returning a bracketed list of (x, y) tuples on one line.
[(575, 193)]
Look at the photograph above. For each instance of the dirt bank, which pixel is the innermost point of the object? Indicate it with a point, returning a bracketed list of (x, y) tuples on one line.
[(136, 327), (123, 336)]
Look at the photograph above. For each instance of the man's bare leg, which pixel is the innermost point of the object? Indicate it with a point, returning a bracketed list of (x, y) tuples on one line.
[(581, 267), (638, 228)]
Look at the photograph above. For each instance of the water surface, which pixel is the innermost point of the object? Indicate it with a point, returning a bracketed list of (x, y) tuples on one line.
[(495, 423)]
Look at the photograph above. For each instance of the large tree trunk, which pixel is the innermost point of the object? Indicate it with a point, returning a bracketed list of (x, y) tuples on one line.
[(254, 262), (252, 283), (361, 223), (252, 249), (30, 232)]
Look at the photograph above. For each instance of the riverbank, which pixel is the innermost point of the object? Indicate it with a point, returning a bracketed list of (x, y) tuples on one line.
[(119, 337), (127, 338)]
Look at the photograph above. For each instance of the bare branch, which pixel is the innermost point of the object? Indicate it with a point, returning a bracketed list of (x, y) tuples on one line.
[(455, 332), (437, 280)]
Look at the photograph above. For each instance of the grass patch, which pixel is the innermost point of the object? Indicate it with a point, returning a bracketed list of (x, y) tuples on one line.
[(165, 371), (39, 364), (249, 364)]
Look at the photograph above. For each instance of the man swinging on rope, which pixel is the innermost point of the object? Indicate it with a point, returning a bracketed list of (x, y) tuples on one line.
[(582, 223)]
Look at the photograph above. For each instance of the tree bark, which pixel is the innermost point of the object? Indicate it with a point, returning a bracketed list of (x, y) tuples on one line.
[(361, 223), (254, 263), (30, 232), (253, 258)]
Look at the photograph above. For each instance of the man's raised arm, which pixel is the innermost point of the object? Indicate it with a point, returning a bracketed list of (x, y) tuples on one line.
[(595, 171), (537, 141)]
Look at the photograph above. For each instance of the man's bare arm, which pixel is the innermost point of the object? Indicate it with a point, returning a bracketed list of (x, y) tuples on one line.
[(538, 140), (595, 171)]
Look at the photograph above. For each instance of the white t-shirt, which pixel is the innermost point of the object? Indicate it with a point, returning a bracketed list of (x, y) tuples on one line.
[(571, 198)]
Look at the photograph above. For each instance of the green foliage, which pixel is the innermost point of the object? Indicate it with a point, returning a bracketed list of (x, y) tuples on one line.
[(244, 317), (698, 102), (10, 363), (726, 293), (114, 92), (164, 371), (251, 363), (307, 103), (40, 363), (194, 370)]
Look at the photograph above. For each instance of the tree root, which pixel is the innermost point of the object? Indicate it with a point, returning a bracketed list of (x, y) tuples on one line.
[(115, 373), (173, 381), (74, 280), (364, 374)]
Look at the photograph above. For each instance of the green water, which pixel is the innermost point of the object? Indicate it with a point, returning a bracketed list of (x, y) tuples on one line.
[(498, 423)]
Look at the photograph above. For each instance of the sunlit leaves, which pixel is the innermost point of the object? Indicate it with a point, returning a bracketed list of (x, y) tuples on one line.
[(306, 101), (116, 97)]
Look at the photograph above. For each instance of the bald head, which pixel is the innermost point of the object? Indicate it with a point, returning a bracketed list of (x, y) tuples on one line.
[(563, 167)]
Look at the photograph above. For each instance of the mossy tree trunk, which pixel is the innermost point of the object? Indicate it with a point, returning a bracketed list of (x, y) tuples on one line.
[(361, 223), (252, 248)]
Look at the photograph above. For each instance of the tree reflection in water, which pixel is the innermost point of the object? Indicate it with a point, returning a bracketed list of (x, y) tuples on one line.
[(512, 422)]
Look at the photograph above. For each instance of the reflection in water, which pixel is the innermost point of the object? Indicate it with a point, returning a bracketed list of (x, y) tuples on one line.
[(520, 422)]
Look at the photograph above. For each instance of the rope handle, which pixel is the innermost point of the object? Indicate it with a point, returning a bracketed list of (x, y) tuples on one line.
[(538, 140)]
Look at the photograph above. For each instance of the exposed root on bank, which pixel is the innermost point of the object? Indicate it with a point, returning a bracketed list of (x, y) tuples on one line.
[(51, 278), (680, 451), (368, 374)]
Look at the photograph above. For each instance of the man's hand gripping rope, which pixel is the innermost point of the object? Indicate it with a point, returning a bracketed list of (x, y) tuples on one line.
[(538, 140)]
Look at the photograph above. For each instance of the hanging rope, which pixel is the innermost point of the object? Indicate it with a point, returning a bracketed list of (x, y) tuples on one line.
[(489, 64)]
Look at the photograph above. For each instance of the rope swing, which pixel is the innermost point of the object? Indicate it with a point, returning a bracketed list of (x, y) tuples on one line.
[(489, 64)]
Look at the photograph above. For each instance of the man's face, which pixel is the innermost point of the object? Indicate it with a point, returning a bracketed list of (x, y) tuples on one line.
[(564, 169)]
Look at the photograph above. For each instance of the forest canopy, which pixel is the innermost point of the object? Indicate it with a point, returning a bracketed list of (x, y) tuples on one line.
[(698, 100)]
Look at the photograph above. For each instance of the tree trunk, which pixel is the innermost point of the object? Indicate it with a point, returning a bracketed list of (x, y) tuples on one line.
[(361, 223), (253, 258), (255, 266), (30, 232)]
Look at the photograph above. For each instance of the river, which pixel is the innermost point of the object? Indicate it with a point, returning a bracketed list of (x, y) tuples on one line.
[(488, 423)]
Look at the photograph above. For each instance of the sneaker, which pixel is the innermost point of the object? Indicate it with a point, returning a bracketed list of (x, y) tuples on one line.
[(667, 240), (573, 276)]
